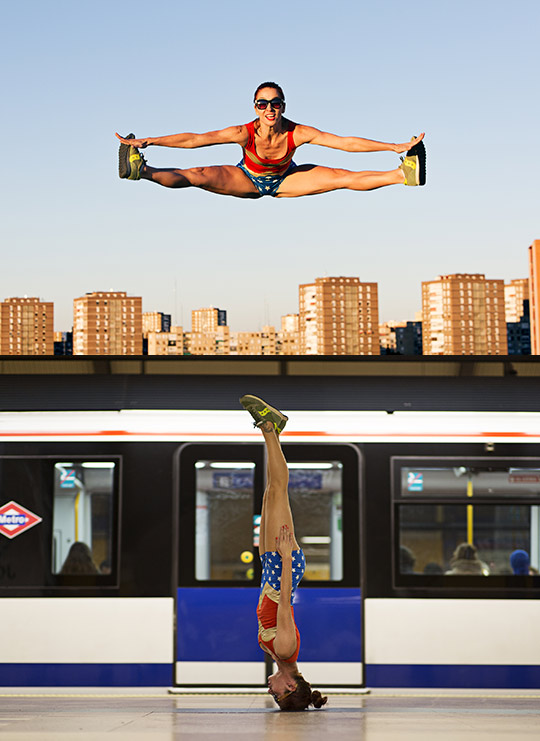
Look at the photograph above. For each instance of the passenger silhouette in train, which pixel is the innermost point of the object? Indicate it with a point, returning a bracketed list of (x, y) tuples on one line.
[(105, 567), (79, 560), (520, 562), (465, 561), (283, 565), (267, 168), (433, 568), (407, 560)]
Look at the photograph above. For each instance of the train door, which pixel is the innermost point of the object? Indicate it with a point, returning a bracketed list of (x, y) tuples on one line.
[(220, 490)]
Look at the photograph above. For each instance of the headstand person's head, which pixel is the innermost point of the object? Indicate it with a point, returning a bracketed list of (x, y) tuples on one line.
[(298, 697)]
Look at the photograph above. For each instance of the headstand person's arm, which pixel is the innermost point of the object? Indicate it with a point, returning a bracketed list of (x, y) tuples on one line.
[(285, 640), (230, 135), (310, 135)]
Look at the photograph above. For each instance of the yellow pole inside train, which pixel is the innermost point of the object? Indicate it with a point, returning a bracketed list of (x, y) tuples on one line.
[(77, 501), (470, 516)]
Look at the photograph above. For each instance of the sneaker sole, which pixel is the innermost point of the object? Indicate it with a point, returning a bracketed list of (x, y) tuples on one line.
[(124, 167), (249, 400), (419, 151)]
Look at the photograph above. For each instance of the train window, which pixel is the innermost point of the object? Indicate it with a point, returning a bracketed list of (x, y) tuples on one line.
[(224, 523), (315, 491), (465, 517), (83, 518), (221, 489), (437, 539), (468, 480), (58, 522)]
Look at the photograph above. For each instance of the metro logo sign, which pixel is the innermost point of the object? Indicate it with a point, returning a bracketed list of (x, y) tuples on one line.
[(15, 519)]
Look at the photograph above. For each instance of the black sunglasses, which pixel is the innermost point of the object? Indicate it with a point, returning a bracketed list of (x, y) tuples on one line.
[(261, 104)]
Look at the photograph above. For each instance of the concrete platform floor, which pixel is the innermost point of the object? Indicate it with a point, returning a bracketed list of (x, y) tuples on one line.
[(28, 714)]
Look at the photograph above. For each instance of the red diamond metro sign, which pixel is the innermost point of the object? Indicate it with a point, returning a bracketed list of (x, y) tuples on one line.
[(15, 519)]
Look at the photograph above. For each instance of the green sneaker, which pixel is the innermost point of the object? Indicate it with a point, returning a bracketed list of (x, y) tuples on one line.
[(414, 165), (262, 412), (130, 161)]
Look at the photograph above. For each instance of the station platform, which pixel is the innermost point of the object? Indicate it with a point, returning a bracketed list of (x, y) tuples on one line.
[(28, 714)]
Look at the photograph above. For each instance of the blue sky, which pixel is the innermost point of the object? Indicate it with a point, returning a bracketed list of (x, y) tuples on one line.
[(76, 72)]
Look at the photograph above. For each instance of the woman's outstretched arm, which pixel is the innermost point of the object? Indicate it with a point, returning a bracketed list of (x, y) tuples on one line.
[(230, 135), (309, 135), (285, 640)]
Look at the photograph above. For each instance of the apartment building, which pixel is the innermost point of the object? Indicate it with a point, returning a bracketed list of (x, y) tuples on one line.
[(463, 314), (166, 343), (107, 323), (288, 338), (26, 326), (534, 295), (338, 316)]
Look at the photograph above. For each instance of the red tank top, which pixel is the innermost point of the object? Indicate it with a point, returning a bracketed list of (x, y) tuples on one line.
[(267, 617), (260, 166)]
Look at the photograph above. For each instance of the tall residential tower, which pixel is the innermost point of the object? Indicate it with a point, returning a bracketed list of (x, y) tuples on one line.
[(107, 323), (463, 314), (26, 327), (338, 316), (534, 294)]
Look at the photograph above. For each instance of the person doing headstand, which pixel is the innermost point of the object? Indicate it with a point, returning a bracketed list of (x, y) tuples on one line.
[(283, 565), (267, 167)]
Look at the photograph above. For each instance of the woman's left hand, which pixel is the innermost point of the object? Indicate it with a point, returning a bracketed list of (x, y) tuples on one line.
[(399, 148), (137, 143), (284, 542)]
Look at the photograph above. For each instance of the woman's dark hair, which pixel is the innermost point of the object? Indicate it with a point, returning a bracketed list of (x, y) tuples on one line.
[(270, 84), (79, 560), (302, 697)]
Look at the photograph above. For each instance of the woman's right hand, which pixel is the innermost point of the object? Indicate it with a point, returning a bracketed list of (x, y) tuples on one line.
[(284, 542), (137, 143)]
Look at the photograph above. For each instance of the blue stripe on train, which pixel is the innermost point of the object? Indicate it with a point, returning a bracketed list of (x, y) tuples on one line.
[(484, 676), (86, 675), (220, 624)]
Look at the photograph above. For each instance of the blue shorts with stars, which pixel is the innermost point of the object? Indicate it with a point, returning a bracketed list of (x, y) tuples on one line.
[(271, 569), (267, 185)]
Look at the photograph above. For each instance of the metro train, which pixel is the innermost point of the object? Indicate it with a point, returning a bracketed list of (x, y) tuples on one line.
[(167, 504)]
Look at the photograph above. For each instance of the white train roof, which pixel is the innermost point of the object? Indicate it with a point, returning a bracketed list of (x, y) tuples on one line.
[(235, 426)]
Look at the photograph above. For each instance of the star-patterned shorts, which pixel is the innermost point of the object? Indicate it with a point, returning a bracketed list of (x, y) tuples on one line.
[(267, 185), (271, 569)]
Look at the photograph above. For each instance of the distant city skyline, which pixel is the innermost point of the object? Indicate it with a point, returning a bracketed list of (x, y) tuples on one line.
[(465, 314), (462, 314), (278, 313), (69, 225)]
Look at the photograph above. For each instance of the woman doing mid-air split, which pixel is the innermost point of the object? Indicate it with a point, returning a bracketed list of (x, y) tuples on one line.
[(267, 168), (283, 566)]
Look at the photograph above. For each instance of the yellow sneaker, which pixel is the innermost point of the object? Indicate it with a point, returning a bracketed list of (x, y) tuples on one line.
[(262, 412), (414, 165), (130, 161)]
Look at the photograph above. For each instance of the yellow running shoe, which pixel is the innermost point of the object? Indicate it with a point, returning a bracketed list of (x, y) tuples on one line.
[(130, 161), (414, 165), (263, 412)]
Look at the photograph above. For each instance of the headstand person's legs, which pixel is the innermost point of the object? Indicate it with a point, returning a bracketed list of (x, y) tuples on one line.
[(262, 539), (276, 510), (276, 506)]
